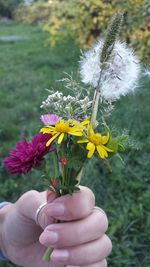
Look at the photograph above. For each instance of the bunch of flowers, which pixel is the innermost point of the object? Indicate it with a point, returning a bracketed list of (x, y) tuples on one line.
[(74, 129)]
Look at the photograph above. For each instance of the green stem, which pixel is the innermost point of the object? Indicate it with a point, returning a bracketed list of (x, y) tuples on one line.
[(49, 250), (47, 254), (79, 176), (95, 108), (95, 103), (55, 165)]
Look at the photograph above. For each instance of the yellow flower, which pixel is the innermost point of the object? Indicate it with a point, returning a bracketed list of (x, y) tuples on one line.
[(96, 141), (61, 128)]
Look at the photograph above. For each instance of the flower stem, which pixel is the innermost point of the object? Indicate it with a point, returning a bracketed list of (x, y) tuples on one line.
[(55, 164), (47, 254), (95, 108), (95, 103), (79, 176), (109, 42)]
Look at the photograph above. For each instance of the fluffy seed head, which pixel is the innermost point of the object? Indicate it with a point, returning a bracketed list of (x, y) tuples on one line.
[(118, 77)]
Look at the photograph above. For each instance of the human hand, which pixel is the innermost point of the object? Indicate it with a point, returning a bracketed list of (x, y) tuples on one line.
[(80, 240)]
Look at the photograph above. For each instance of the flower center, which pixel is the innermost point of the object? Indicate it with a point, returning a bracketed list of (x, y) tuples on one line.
[(62, 127), (95, 139)]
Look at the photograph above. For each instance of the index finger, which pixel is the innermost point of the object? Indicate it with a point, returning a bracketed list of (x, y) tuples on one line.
[(71, 207)]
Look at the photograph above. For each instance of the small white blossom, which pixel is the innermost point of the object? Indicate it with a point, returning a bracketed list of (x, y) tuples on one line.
[(119, 75), (69, 105), (85, 103)]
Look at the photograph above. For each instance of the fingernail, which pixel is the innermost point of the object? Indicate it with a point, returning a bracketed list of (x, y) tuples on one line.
[(59, 255), (50, 196), (55, 209), (49, 238)]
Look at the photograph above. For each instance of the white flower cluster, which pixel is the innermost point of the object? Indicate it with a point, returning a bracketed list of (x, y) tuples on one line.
[(57, 102), (118, 77)]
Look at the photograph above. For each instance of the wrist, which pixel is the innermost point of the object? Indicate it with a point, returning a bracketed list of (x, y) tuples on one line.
[(4, 211)]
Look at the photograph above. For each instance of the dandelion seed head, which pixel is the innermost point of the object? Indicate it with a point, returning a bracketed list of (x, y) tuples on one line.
[(120, 74), (146, 72)]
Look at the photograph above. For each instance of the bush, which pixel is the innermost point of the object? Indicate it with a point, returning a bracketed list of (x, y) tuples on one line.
[(39, 12), (86, 20), (7, 7)]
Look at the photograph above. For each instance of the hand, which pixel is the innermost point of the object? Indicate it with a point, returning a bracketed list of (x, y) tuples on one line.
[(79, 240)]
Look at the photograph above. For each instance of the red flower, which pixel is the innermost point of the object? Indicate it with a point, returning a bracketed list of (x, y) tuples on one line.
[(54, 183), (27, 155), (63, 161)]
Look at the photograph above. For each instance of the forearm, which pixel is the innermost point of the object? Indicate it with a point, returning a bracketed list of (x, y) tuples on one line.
[(4, 211)]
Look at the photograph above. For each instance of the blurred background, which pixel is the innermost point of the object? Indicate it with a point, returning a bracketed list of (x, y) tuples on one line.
[(39, 41)]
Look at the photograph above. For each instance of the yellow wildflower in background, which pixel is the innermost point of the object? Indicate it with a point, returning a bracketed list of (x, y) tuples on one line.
[(95, 141)]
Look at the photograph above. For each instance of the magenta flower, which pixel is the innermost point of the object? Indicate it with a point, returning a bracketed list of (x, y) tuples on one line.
[(50, 119), (27, 155)]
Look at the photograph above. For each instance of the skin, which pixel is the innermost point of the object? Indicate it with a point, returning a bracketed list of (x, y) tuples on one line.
[(79, 240)]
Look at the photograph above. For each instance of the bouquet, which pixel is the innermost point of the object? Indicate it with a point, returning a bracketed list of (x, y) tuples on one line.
[(74, 126)]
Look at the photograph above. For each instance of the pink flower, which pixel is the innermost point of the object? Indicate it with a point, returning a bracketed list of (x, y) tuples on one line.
[(27, 155), (50, 119)]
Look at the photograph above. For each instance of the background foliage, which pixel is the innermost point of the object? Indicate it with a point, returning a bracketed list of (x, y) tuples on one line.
[(7, 7), (85, 21), (39, 12)]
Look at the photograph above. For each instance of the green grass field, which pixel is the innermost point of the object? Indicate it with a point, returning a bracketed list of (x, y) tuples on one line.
[(26, 69)]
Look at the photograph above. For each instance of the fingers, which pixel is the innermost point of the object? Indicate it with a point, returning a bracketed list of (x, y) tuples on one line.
[(79, 243), (71, 207), (102, 263), (65, 208), (74, 233), (85, 254)]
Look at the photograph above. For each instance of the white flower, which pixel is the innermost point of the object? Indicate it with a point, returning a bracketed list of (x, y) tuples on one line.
[(68, 105), (85, 103), (118, 77)]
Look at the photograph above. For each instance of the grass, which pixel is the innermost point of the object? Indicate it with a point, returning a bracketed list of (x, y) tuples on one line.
[(26, 69)]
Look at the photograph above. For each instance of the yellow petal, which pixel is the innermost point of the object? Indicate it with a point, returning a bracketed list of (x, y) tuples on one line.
[(85, 122), (48, 129), (51, 139), (82, 141), (90, 146), (105, 139), (108, 149), (90, 130), (91, 149), (76, 133), (102, 152), (60, 138), (45, 130)]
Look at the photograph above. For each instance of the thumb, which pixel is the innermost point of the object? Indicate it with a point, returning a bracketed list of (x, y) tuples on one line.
[(43, 219), (28, 205)]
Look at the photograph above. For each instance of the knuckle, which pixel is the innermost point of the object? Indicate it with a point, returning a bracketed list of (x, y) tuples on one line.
[(78, 236), (105, 222), (30, 195), (108, 245), (88, 193), (85, 200), (101, 217), (91, 196)]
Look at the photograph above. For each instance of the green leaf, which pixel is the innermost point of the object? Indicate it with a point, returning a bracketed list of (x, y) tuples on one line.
[(117, 144)]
